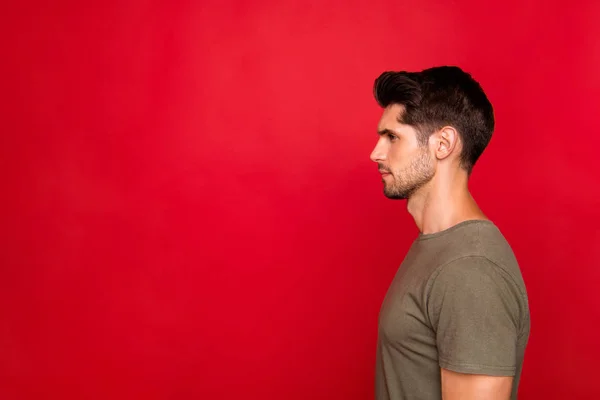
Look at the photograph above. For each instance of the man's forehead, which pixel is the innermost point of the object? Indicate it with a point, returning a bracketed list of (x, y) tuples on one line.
[(391, 117)]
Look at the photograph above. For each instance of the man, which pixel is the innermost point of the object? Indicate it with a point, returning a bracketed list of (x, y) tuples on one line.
[(454, 323)]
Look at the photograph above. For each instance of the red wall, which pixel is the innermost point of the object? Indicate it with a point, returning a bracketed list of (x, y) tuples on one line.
[(190, 210)]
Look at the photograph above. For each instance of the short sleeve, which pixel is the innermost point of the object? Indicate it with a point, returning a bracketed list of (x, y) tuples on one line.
[(473, 307)]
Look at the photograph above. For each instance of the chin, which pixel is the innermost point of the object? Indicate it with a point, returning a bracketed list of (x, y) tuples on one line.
[(395, 193), (395, 196)]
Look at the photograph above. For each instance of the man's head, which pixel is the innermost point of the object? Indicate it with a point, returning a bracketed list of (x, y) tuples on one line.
[(439, 116)]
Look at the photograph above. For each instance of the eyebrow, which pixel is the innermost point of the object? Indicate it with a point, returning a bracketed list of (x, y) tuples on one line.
[(387, 131)]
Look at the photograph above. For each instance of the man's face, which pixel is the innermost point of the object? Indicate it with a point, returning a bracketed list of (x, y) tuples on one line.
[(404, 164)]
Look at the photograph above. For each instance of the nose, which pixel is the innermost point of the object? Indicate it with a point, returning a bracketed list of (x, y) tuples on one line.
[(379, 152)]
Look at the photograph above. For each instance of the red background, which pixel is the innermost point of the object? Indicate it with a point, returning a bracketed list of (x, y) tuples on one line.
[(190, 210)]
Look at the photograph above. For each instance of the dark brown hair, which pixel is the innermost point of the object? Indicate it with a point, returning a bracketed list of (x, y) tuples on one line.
[(438, 97)]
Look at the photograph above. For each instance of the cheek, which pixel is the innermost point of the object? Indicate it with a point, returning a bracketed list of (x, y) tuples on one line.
[(396, 159), (402, 158)]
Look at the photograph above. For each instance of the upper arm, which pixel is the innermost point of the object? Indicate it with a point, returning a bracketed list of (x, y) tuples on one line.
[(475, 309), (458, 386)]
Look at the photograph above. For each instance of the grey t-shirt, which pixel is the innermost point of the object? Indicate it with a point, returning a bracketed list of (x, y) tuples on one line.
[(458, 301)]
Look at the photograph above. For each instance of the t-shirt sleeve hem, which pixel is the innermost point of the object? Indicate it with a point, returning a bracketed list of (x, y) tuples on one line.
[(477, 369)]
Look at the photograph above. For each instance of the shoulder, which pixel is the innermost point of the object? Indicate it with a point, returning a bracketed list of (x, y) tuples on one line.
[(477, 253), (476, 284), (473, 272), (466, 269)]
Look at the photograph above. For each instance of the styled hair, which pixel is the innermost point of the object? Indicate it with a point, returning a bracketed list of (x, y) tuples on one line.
[(438, 97)]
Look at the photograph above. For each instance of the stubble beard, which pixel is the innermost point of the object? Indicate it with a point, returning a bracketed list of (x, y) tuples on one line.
[(405, 183)]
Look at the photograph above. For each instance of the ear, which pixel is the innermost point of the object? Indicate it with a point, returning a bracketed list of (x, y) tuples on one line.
[(444, 142)]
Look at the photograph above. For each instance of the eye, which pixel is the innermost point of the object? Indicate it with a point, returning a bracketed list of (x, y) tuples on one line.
[(392, 137)]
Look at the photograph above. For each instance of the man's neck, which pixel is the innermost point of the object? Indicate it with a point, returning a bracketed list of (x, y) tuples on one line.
[(444, 202)]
